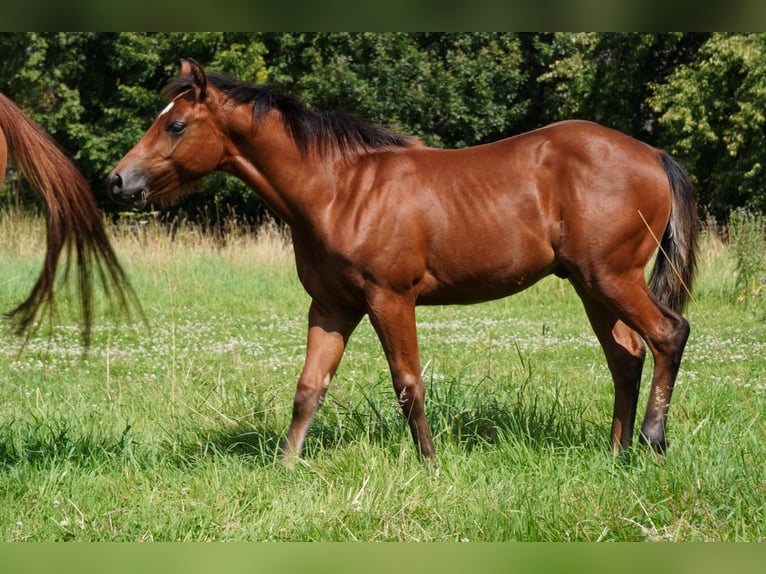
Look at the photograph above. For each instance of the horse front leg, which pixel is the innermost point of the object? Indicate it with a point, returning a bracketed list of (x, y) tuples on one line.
[(329, 330), (393, 317)]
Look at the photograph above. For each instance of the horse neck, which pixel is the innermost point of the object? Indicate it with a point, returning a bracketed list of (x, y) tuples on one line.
[(293, 183)]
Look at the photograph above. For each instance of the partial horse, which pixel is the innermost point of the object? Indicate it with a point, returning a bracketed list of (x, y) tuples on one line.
[(73, 222), (381, 223)]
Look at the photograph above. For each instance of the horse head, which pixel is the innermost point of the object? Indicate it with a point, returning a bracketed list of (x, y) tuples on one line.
[(183, 144)]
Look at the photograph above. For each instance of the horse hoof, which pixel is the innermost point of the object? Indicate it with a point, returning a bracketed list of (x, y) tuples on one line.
[(658, 445)]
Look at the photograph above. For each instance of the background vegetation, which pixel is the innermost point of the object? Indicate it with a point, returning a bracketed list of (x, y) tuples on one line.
[(699, 95)]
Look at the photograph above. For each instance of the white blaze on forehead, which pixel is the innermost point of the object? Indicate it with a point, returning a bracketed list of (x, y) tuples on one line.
[(166, 110)]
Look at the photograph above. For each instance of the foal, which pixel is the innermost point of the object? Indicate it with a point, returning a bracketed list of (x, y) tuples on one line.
[(381, 224)]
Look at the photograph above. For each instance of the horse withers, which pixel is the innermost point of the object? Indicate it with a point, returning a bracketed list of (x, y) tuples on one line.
[(381, 223)]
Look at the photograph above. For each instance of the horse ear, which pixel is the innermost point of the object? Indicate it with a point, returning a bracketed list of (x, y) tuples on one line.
[(190, 67)]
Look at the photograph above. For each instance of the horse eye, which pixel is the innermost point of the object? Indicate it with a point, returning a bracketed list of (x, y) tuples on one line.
[(176, 128)]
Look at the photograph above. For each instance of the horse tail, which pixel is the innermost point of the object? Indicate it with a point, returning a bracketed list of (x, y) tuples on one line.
[(673, 272), (72, 220)]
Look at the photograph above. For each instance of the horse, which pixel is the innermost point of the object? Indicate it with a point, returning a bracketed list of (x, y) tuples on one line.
[(381, 223), (72, 220)]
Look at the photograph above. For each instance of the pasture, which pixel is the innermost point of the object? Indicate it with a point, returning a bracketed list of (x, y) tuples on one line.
[(170, 430)]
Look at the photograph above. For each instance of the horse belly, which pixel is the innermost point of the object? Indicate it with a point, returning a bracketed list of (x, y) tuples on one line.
[(483, 274)]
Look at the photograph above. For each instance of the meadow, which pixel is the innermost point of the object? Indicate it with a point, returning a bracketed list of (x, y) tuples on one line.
[(168, 429)]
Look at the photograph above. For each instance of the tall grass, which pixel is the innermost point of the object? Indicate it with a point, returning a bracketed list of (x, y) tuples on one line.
[(169, 430), (748, 242)]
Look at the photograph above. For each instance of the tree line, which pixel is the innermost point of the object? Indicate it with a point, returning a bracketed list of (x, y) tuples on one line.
[(701, 96)]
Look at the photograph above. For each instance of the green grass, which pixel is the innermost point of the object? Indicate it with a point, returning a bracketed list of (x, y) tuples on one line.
[(170, 431)]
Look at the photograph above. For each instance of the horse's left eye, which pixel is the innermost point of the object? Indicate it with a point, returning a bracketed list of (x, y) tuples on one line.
[(176, 128)]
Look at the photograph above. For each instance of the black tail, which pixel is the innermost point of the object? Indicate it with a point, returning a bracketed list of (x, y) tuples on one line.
[(673, 273)]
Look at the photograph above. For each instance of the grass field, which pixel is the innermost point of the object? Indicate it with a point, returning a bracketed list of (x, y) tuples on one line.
[(170, 431)]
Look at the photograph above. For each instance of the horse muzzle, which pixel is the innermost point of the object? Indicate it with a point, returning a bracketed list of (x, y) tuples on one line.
[(134, 195)]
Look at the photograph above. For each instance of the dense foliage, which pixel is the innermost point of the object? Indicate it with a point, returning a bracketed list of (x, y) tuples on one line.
[(698, 95)]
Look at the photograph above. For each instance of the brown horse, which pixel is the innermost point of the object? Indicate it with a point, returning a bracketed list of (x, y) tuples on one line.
[(72, 221), (381, 224)]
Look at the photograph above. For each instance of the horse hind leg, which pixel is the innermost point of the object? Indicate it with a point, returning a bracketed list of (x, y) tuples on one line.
[(625, 352), (667, 344), (664, 331)]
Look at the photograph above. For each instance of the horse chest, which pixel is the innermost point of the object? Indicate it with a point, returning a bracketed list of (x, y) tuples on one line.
[(328, 275)]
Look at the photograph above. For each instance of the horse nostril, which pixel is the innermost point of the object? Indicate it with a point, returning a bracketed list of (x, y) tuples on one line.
[(115, 182)]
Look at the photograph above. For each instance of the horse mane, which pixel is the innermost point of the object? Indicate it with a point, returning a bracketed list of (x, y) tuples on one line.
[(324, 131)]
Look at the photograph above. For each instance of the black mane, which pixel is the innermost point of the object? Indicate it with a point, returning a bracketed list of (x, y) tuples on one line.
[(308, 127)]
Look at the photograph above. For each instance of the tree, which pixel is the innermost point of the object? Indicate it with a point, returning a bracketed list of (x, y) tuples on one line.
[(712, 112), (608, 77), (451, 90), (698, 95)]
